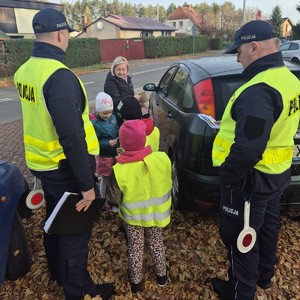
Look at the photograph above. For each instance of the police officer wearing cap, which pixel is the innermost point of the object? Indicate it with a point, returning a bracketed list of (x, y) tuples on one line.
[(254, 149), (60, 144)]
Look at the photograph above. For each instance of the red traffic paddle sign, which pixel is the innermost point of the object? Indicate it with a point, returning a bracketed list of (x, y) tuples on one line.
[(247, 236), (35, 199)]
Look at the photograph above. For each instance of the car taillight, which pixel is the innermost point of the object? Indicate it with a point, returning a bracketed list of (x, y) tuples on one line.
[(205, 97)]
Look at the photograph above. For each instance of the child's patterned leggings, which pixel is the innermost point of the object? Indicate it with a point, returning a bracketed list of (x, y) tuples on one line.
[(135, 236)]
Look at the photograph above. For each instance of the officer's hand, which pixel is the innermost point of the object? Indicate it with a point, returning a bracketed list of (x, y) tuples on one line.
[(88, 197)]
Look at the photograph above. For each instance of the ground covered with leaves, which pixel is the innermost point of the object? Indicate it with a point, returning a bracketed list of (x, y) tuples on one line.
[(195, 255)]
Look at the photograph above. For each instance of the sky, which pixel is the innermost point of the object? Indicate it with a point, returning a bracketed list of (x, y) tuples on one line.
[(288, 7)]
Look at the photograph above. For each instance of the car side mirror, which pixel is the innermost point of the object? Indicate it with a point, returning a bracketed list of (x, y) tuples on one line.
[(150, 87)]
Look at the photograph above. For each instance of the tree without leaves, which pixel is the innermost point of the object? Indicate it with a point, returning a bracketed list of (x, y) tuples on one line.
[(231, 19)]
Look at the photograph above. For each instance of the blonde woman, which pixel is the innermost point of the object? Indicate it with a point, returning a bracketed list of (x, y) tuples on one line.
[(118, 85)]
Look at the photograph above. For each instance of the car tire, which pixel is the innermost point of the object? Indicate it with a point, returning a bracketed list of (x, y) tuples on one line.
[(176, 188), (23, 210), (295, 60), (19, 259)]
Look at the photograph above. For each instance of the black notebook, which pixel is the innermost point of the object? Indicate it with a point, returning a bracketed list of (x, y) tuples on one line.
[(65, 219)]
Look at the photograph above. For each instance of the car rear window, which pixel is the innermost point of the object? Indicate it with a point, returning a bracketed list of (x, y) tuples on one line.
[(224, 89), (294, 46), (285, 47)]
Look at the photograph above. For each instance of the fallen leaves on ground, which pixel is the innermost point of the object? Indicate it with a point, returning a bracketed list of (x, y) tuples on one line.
[(194, 250)]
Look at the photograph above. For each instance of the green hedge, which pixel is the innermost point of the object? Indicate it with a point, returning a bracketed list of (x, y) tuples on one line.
[(14, 53), (172, 46), (81, 52), (216, 44), (86, 52)]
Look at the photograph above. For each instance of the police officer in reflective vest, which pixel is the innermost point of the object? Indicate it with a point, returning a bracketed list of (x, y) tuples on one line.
[(60, 144), (254, 150)]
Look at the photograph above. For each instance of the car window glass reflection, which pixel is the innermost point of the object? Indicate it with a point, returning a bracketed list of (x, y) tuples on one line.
[(177, 85), (187, 101), (285, 47), (163, 86), (228, 89), (294, 46)]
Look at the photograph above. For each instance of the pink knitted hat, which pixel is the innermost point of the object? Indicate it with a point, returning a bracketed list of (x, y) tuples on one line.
[(132, 135)]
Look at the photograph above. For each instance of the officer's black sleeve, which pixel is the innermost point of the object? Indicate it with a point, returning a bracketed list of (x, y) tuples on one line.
[(65, 102), (255, 112)]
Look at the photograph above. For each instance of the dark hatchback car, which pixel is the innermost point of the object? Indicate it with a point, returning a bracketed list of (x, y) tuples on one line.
[(15, 257), (187, 88)]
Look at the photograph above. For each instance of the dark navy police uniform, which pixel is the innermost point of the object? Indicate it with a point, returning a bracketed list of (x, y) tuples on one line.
[(255, 111), (67, 255)]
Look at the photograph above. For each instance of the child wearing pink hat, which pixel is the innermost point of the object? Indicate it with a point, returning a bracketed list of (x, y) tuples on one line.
[(141, 184), (105, 124)]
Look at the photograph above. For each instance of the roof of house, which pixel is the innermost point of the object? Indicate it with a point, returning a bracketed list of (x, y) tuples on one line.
[(186, 12), (287, 19), (134, 23)]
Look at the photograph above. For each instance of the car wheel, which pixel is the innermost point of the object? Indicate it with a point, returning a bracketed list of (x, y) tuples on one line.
[(175, 187), (23, 210), (18, 261), (295, 60)]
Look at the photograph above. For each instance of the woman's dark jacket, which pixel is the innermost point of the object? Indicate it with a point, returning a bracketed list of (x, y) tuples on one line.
[(119, 89)]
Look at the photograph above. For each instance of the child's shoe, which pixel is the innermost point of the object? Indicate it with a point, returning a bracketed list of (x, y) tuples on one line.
[(162, 280), (135, 287)]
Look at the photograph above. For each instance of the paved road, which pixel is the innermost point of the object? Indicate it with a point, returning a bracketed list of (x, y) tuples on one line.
[(147, 71), (142, 72)]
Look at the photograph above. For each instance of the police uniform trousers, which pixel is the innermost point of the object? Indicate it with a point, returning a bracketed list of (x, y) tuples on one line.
[(257, 264), (67, 254)]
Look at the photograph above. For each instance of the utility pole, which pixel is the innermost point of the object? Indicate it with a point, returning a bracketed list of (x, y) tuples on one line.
[(193, 32), (244, 12)]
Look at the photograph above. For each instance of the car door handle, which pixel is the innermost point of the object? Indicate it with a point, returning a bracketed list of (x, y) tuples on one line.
[(169, 115)]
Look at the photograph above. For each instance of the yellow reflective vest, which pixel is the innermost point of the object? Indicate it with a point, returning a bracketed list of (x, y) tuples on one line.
[(146, 187), (277, 156), (153, 139), (42, 148)]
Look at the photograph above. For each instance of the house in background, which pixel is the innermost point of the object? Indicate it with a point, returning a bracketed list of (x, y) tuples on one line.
[(123, 27), (287, 26), (122, 35), (3, 36), (186, 20), (16, 16)]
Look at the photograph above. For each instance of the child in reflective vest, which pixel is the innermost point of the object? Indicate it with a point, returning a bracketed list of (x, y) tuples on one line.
[(152, 133), (141, 184)]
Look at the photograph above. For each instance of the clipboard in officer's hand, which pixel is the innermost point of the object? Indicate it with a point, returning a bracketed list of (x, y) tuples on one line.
[(65, 219)]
